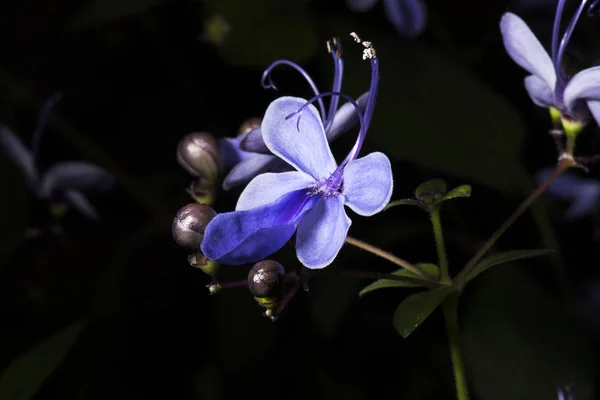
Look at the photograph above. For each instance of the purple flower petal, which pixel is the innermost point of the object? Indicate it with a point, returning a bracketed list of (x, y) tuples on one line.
[(253, 142), (407, 16), (305, 148), (232, 154), (585, 85), (248, 236), (19, 154), (75, 175), (266, 188), (360, 5), (524, 48), (594, 107), (346, 117), (322, 232), (81, 204), (368, 184), (244, 171), (539, 91)]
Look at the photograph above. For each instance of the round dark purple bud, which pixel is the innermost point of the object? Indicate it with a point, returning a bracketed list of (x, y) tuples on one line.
[(189, 224), (266, 280), (200, 155), (248, 125)]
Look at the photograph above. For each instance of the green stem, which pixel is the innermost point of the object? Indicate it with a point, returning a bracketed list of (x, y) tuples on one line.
[(563, 165), (439, 244), (450, 307), (390, 257)]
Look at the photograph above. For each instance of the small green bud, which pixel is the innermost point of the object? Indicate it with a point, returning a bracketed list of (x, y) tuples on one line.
[(200, 155), (189, 224), (203, 191), (248, 125), (209, 267), (266, 281), (431, 192)]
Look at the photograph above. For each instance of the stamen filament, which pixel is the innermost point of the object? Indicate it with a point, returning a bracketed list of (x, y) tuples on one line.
[(569, 32), (267, 81), (555, 32), (335, 48)]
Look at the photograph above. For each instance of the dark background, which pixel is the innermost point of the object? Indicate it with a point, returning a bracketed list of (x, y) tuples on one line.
[(136, 76)]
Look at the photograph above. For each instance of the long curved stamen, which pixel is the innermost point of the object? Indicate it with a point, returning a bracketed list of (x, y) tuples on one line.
[(368, 52), (592, 12), (267, 82), (556, 31), (41, 125), (335, 49), (567, 36)]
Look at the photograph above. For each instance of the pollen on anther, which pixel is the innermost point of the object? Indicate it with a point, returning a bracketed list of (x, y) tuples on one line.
[(355, 36)]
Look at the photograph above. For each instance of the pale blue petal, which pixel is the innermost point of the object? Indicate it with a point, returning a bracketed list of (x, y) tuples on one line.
[(81, 204), (407, 16), (539, 91), (253, 142), (594, 107), (306, 148), (241, 237), (525, 49), (582, 193), (266, 188), (244, 171), (322, 232), (19, 154), (360, 5), (75, 175), (232, 154), (346, 117), (585, 85), (368, 184)]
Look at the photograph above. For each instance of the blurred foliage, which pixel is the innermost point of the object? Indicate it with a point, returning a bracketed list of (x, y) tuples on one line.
[(137, 75)]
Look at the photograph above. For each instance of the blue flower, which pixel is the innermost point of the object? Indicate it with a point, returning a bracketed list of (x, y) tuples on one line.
[(407, 16), (582, 193), (308, 201), (549, 85), (247, 156), (565, 394), (66, 181)]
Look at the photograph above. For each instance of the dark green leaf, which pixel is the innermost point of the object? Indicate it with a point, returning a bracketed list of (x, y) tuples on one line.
[(23, 377), (415, 280), (434, 186), (505, 257), (264, 31), (513, 324), (98, 12), (416, 308), (461, 191), (404, 202)]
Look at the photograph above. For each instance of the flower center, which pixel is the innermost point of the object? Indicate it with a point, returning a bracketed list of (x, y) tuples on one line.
[(329, 187)]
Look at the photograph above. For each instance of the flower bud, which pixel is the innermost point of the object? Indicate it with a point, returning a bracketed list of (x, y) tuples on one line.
[(248, 125), (189, 224), (266, 281), (199, 260), (200, 155), (203, 191)]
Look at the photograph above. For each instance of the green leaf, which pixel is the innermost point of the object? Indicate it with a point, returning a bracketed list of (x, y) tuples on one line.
[(433, 111), (505, 257), (404, 202), (264, 31), (461, 191), (416, 308), (98, 12), (24, 375), (521, 341), (415, 280), (434, 187)]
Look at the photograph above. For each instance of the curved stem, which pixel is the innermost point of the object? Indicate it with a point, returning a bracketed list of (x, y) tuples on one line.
[(439, 244), (563, 165), (450, 307), (390, 257)]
